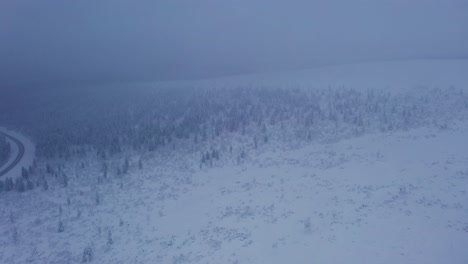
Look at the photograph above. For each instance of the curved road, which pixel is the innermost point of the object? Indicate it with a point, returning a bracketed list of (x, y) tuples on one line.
[(18, 157)]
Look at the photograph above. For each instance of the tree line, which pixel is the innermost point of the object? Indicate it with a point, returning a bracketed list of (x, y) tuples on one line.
[(110, 121)]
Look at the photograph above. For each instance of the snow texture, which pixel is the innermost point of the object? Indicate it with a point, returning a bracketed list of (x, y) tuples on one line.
[(393, 196)]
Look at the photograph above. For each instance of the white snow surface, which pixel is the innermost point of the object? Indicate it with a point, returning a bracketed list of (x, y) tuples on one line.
[(28, 157), (393, 197), (382, 198)]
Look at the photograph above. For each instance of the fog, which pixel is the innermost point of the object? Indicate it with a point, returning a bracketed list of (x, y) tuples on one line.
[(233, 131), (75, 41)]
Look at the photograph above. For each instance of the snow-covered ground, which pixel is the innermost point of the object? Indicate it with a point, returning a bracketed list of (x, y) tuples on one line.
[(383, 198), (28, 157), (380, 197)]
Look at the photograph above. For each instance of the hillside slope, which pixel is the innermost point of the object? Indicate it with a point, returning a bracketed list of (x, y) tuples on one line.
[(332, 175)]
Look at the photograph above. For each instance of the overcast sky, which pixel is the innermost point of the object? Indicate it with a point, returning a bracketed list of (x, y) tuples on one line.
[(109, 40)]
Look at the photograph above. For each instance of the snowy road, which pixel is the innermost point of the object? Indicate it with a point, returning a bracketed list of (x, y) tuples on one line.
[(18, 157)]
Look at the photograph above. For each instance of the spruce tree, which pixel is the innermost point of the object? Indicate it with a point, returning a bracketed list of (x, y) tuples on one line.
[(24, 173), (60, 227), (45, 185), (87, 255), (110, 241), (19, 185)]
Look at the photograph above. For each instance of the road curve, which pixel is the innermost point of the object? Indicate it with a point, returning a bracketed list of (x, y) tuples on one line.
[(18, 157)]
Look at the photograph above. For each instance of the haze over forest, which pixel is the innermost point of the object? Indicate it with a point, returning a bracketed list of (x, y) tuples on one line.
[(233, 131), (74, 41)]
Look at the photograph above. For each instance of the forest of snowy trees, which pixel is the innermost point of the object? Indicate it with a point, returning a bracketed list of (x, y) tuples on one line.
[(145, 120), (101, 154)]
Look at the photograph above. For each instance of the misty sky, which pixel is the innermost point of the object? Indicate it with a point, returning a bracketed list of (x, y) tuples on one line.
[(108, 40)]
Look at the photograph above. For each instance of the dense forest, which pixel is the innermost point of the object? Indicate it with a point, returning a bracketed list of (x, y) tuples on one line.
[(65, 124)]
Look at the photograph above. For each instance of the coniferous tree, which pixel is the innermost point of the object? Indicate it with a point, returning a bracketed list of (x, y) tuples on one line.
[(29, 184), (15, 235), (110, 241), (126, 166), (97, 199), (48, 169), (19, 185), (45, 185), (87, 255), (104, 170), (60, 227), (65, 180), (24, 173), (203, 158)]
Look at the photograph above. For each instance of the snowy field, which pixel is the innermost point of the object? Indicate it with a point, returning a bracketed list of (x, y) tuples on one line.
[(397, 196), (387, 198)]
